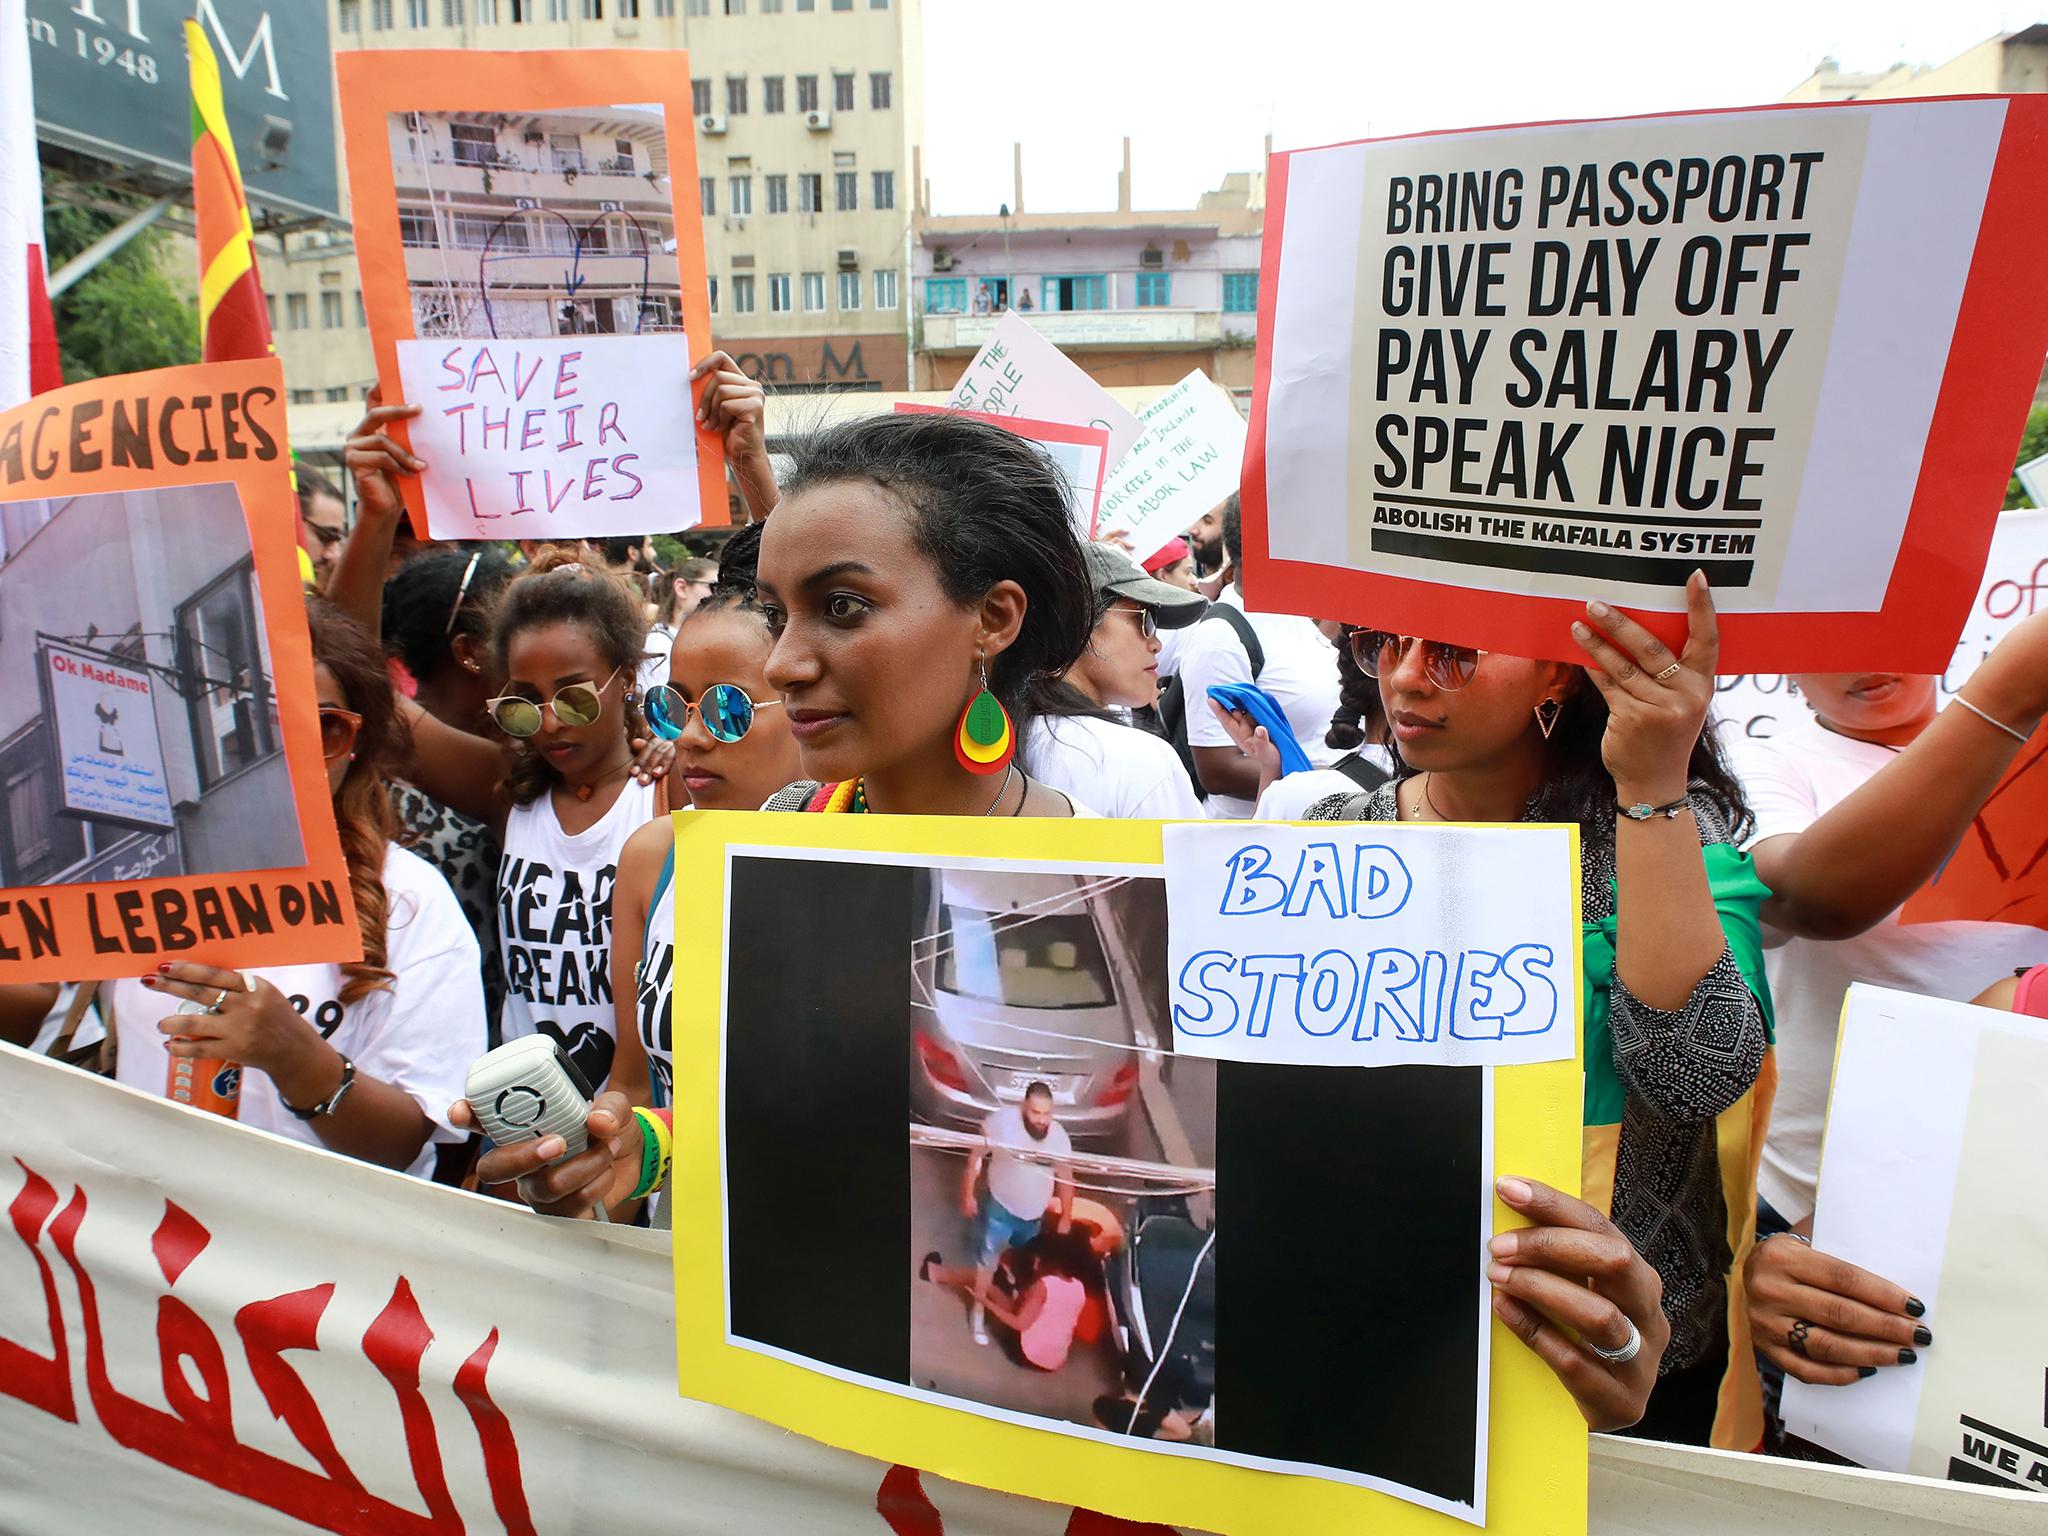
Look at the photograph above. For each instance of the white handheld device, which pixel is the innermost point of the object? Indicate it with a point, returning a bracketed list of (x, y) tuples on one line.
[(526, 1089)]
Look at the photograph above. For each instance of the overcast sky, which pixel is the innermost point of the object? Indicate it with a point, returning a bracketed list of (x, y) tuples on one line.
[(1197, 84)]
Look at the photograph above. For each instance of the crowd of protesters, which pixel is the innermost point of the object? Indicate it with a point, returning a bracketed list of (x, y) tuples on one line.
[(504, 733)]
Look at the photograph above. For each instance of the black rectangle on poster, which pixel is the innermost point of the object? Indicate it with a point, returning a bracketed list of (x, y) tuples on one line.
[(817, 1154)]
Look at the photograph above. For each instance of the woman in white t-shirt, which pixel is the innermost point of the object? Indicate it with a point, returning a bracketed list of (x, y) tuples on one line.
[(1074, 742), (362, 1058)]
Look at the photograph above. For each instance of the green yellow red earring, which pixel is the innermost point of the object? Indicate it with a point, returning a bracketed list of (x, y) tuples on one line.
[(985, 740)]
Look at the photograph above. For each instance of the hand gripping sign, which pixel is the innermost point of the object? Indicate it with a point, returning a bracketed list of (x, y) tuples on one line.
[(1506, 370), (535, 286)]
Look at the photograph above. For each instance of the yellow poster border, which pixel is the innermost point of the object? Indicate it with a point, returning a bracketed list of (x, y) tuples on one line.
[(1537, 1443)]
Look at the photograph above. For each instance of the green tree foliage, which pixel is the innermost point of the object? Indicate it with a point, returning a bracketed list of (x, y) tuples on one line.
[(2033, 443), (125, 315)]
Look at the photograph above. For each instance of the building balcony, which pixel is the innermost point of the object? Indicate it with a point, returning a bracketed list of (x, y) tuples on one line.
[(538, 175), (1078, 330)]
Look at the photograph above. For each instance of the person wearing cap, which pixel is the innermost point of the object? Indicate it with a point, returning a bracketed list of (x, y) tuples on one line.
[(1078, 741), (1173, 563)]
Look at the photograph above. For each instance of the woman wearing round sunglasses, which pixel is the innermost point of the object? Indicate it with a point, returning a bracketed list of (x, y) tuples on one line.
[(1676, 1023), (360, 1058)]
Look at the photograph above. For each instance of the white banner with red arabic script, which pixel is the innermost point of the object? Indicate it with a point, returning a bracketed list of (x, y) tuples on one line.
[(203, 1327)]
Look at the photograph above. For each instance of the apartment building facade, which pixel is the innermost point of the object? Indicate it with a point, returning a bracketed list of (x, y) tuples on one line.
[(808, 122)]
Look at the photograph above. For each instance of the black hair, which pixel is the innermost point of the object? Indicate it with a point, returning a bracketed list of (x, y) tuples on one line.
[(1056, 697), (1039, 1089), (312, 483), (421, 595), (985, 506), (1361, 716), (1233, 539), (736, 594), (1577, 786)]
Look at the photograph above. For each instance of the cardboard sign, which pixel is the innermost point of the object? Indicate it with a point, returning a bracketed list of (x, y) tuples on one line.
[(2014, 586), (1188, 460), (980, 1017), (1367, 945), (535, 281), (1082, 454), (1505, 371), (1019, 373), (167, 795), (1931, 1176)]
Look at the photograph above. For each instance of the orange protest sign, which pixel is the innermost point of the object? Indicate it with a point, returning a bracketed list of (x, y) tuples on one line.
[(159, 731), (533, 281), (1999, 872)]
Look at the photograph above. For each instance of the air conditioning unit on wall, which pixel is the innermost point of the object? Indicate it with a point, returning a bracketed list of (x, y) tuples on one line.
[(848, 259), (942, 261), (711, 122), (818, 120)]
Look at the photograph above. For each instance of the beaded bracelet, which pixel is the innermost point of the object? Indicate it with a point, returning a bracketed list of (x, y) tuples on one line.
[(657, 1151)]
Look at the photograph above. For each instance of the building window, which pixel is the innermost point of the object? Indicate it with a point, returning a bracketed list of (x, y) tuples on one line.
[(849, 290), (810, 192), (807, 93), (473, 143), (362, 317), (270, 304), (295, 310), (339, 392), (735, 7), (814, 292), (1068, 293), (743, 294), (487, 13), (351, 15), (593, 10), (700, 97), (778, 293), (885, 189), (806, 5), (1240, 293), (417, 13), (771, 93), (303, 397), (451, 13), (742, 196), (771, 7), (1155, 290), (234, 722), (842, 93), (416, 229), (707, 195), (331, 312), (697, 7), (38, 842), (664, 7), (629, 10), (842, 5), (380, 15), (846, 184), (885, 288), (878, 91), (778, 193), (878, 5), (945, 295), (558, 10), (714, 295), (736, 94)]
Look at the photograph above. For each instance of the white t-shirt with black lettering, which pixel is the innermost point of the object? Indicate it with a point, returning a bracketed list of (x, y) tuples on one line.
[(419, 1035), (555, 926)]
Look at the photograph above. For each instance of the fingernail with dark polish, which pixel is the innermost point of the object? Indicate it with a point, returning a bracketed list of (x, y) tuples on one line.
[(1865, 1372), (1915, 1307), (1907, 1357), (1923, 1337)]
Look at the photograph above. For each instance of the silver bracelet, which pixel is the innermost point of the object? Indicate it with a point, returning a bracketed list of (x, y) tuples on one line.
[(1784, 1232), (2019, 736)]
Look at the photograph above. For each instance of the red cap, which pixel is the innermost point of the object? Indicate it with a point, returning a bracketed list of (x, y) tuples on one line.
[(1174, 549)]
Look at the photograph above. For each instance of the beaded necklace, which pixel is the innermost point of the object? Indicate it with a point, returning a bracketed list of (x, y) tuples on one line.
[(849, 797)]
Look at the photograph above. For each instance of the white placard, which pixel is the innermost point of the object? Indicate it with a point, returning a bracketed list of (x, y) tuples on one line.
[(1368, 944), (556, 437), (2033, 478), (1187, 461), (1019, 373), (108, 748)]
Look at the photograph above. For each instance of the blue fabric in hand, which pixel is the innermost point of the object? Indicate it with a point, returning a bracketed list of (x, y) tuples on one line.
[(1252, 700)]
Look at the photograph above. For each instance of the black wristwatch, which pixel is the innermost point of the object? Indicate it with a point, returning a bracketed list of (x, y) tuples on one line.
[(333, 1101)]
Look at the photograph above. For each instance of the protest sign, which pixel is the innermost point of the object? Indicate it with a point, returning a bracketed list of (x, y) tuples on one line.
[(1019, 373), (1505, 371), (1082, 454), (167, 794), (1371, 945), (535, 284), (1931, 1176), (2014, 586), (1187, 461), (961, 984), (2033, 479), (117, 1216)]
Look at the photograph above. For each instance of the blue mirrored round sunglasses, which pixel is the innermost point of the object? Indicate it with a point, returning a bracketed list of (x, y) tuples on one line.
[(727, 709)]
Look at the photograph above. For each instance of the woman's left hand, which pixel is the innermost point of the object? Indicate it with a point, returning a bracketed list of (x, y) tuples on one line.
[(651, 758), (1656, 702), (247, 1020), (1572, 1281)]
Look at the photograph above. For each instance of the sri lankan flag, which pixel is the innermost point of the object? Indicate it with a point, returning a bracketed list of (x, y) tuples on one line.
[(232, 320)]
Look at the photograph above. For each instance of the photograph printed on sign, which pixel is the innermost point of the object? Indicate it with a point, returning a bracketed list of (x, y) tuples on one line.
[(143, 740), (548, 345), (965, 1161)]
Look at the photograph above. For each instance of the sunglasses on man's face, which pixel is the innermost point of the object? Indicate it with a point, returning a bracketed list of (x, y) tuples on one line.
[(1448, 667), (338, 730), (574, 704), (727, 708)]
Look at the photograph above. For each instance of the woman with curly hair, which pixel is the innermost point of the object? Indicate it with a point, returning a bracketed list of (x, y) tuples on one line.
[(362, 1058)]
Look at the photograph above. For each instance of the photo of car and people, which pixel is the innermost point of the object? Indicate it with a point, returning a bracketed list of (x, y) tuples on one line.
[(1062, 1157)]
